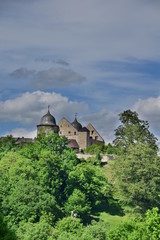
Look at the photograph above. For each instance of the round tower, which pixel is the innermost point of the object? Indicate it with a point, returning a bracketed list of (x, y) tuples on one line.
[(47, 124)]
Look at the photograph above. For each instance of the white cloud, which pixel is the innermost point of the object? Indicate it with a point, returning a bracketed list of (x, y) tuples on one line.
[(22, 132), (149, 110), (30, 107)]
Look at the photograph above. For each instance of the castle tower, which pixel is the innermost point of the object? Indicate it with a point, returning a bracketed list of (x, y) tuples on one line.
[(47, 124)]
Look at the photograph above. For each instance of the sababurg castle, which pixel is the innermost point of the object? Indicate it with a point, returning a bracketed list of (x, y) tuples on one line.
[(79, 137)]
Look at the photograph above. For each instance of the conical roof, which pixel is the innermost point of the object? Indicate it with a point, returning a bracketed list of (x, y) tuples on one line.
[(76, 124)]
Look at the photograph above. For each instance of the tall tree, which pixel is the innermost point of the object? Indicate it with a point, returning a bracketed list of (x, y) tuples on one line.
[(133, 130), (137, 168)]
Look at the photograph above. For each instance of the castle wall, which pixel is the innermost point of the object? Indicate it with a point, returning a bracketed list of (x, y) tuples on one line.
[(94, 134), (66, 129), (83, 138)]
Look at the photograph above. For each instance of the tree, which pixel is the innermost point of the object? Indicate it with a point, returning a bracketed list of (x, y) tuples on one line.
[(7, 144), (137, 177), (5, 232), (101, 148), (68, 228), (137, 168), (91, 181), (146, 228), (132, 131), (95, 231), (23, 196), (94, 148), (77, 202), (41, 230), (52, 142)]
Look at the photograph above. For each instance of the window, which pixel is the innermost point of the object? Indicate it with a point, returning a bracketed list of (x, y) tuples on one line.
[(96, 137), (92, 132), (74, 133), (69, 132)]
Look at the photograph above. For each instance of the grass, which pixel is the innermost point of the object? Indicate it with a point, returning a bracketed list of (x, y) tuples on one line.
[(108, 169), (115, 216), (113, 220)]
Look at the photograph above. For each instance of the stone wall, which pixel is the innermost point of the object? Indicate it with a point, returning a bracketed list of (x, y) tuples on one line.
[(47, 129)]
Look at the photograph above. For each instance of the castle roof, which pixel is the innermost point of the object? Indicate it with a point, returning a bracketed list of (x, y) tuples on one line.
[(73, 144), (76, 124), (48, 119)]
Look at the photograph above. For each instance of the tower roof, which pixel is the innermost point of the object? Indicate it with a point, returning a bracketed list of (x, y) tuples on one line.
[(48, 119), (76, 124)]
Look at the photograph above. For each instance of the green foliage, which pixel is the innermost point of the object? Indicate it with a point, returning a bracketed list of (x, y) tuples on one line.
[(93, 149), (141, 229), (52, 142), (23, 197), (101, 148), (77, 202), (91, 181), (137, 176), (95, 231), (137, 168), (68, 160), (44, 181), (133, 130), (95, 160), (110, 149), (41, 230), (5, 232), (151, 224), (28, 202), (72, 229), (7, 144), (50, 174), (69, 224), (68, 228)]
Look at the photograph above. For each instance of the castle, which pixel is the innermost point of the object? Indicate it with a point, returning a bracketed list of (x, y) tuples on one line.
[(79, 137)]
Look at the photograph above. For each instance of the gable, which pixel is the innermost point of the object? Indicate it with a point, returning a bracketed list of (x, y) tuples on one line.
[(66, 128), (94, 133)]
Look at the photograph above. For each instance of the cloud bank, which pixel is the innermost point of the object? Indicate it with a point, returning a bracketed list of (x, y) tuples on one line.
[(149, 110), (53, 77), (30, 107)]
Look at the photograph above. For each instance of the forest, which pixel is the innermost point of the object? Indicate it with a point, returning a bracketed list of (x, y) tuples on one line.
[(47, 193)]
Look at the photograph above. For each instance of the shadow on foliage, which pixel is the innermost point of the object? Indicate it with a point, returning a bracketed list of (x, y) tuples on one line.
[(112, 207), (89, 218)]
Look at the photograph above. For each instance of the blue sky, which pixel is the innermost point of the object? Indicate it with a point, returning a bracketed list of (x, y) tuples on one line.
[(94, 57)]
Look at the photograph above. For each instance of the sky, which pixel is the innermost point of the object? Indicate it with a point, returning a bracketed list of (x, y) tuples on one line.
[(96, 58)]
